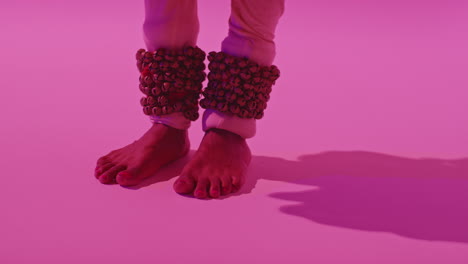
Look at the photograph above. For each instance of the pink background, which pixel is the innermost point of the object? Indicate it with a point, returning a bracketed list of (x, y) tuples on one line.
[(360, 158)]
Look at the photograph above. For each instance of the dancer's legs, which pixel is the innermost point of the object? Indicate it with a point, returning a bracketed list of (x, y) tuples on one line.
[(171, 24), (168, 24), (219, 165), (252, 28)]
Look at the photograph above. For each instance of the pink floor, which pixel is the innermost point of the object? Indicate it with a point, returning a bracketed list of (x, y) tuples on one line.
[(362, 156)]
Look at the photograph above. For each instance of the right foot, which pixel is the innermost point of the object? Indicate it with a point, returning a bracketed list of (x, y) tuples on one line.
[(139, 160), (218, 167)]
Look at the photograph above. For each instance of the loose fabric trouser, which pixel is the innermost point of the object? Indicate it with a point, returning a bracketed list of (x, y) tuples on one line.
[(252, 24)]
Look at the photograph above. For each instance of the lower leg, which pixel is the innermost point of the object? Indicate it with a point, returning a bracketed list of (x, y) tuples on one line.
[(170, 24), (252, 28), (223, 157)]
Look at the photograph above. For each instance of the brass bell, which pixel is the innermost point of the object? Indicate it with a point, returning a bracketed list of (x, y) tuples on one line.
[(176, 107), (162, 100), (261, 97), (225, 75), (188, 51), (212, 104), (150, 100), (141, 87), (220, 106), (245, 76), (175, 65), (253, 69), (140, 53), (252, 105), (244, 113), (220, 93), (156, 91), (234, 108), (248, 86), (156, 110), (242, 64), (211, 56), (229, 60), (143, 101), (169, 58), (166, 87), (259, 115), (241, 101), (203, 103), (249, 95), (219, 56), (234, 70), (238, 91), (231, 97)]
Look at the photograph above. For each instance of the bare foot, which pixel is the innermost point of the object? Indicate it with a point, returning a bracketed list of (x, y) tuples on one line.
[(217, 168), (133, 163)]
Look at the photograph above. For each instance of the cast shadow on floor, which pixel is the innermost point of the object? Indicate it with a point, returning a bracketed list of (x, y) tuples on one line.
[(423, 198)]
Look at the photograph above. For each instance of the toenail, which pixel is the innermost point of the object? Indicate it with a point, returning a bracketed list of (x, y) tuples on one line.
[(125, 174), (180, 182), (199, 193)]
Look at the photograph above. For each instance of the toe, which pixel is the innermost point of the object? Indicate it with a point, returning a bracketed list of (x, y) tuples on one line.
[(109, 176), (102, 160), (215, 189), (201, 191), (103, 168), (226, 185), (128, 177), (237, 182), (104, 179), (184, 184)]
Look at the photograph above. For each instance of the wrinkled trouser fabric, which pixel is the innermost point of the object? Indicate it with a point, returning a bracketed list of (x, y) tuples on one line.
[(252, 24)]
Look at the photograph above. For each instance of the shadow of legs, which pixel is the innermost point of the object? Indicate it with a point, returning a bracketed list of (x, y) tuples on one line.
[(418, 198)]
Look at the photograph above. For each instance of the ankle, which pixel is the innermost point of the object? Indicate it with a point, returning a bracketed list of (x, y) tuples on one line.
[(224, 133), (164, 127), (159, 132)]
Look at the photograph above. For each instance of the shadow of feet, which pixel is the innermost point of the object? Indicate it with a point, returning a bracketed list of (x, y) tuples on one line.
[(423, 198), (417, 198)]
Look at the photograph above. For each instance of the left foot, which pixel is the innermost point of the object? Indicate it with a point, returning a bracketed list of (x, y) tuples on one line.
[(217, 168), (139, 160)]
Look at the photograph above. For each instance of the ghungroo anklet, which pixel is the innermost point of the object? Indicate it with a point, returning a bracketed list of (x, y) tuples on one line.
[(238, 85), (171, 80)]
